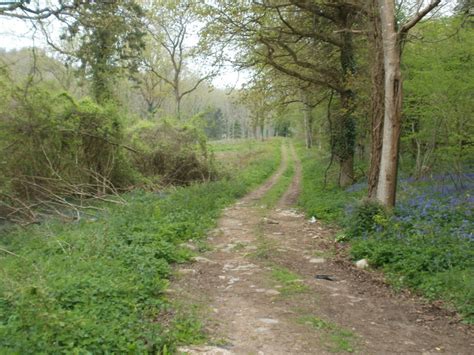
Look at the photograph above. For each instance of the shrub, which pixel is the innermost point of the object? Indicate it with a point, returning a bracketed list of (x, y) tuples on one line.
[(367, 217), (175, 152), (54, 148)]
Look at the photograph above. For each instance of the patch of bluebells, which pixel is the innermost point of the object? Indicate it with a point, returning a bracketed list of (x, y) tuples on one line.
[(427, 243), (357, 187), (437, 206)]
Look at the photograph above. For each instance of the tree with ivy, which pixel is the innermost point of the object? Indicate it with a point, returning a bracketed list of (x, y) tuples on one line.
[(107, 37)]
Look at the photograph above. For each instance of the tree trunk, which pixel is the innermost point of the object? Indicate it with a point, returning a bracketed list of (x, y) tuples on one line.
[(308, 120), (344, 139), (346, 172), (377, 99), (387, 182), (178, 106)]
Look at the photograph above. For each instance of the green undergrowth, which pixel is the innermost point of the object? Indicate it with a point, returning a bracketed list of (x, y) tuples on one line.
[(424, 244), (429, 258), (98, 285), (323, 202), (335, 338)]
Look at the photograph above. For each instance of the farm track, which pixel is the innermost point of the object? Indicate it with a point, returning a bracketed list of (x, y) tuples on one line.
[(257, 292)]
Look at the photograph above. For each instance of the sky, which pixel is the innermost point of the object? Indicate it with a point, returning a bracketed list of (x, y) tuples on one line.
[(17, 34)]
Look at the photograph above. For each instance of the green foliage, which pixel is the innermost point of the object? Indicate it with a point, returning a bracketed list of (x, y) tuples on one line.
[(438, 104), (367, 217), (214, 124), (323, 202), (51, 143), (440, 267), (106, 37), (97, 286), (174, 152)]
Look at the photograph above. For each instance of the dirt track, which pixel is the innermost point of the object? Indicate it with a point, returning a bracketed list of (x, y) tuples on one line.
[(258, 293)]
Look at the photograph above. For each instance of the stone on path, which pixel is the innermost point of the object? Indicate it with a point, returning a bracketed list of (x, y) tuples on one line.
[(186, 271), (317, 260), (362, 264), (268, 320), (272, 292)]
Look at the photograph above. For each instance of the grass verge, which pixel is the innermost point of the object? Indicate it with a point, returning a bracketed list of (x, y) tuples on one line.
[(98, 285), (328, 202)]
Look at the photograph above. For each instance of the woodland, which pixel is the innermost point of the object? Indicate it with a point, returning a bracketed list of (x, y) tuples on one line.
[(123, 136)]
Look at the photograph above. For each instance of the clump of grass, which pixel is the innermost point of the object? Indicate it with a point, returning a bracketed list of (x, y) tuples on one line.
[(239, 246), (335, 338), (291, 282)]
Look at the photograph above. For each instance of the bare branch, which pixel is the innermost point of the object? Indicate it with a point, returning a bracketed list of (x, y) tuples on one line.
[(418, 17)]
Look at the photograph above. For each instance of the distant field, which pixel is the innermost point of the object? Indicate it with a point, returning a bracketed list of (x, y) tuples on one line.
[(234, 155)]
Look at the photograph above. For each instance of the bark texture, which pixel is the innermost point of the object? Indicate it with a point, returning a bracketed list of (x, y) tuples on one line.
[(377, 97), (392, 39), (387, 182)]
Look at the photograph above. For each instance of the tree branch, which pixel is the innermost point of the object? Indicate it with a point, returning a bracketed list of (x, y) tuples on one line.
[(418, 17)]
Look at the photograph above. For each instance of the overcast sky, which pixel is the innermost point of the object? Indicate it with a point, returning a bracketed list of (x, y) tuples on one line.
[(17, 34)]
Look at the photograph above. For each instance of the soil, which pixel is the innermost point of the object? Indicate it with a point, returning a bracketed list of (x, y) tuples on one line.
[(248, 307)]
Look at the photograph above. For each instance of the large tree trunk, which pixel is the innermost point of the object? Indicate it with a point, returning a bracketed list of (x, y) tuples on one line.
[(377, 98), (345, 125), (387, 182)]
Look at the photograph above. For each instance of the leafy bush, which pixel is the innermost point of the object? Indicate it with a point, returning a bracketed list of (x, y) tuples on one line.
[(54, 147), (367, 217), (175, 152)]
